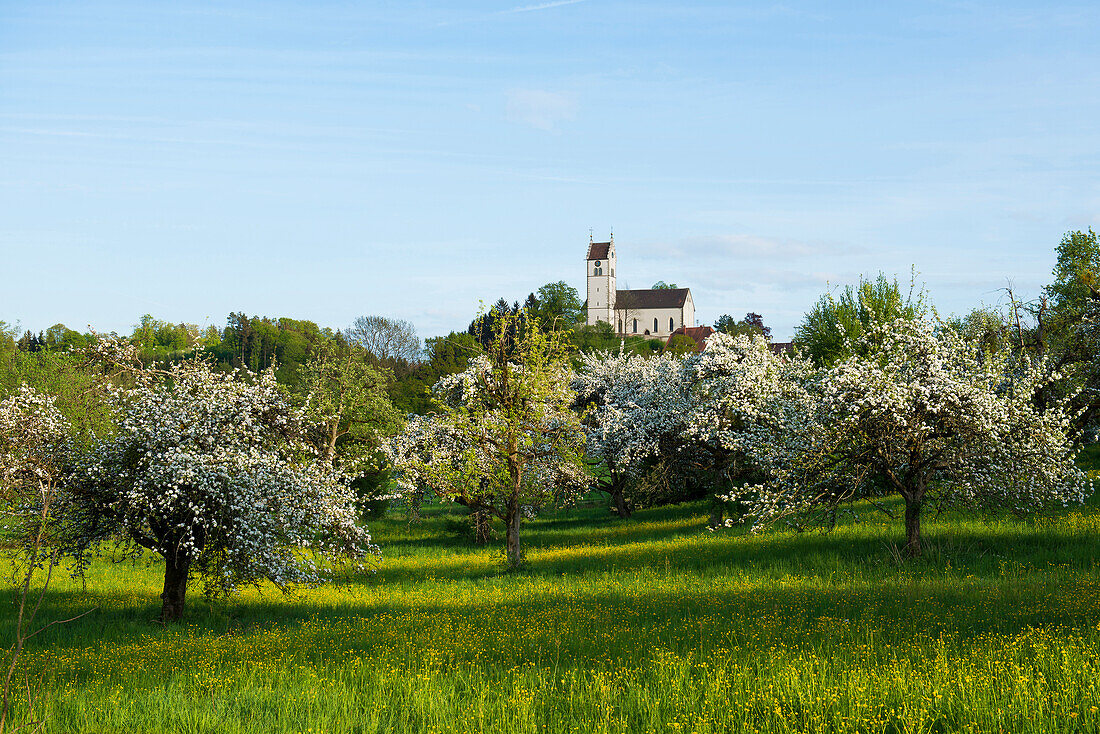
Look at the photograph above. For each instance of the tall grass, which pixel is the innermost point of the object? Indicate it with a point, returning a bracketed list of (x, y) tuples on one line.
[(646, 625)]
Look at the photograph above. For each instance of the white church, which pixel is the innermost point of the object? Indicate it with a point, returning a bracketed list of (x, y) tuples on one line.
[(653, 312)]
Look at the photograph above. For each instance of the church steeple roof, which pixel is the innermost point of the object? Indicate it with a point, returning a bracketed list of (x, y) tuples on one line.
[(598, 250)]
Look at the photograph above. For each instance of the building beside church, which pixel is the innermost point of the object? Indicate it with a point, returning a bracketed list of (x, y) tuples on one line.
[(698, 334), (655, 312)]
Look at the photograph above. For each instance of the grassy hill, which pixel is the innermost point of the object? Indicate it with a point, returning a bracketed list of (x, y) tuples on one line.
[(651, 625)]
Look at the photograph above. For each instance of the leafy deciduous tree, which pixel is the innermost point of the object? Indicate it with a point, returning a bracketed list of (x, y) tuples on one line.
[(515, 442), (346, 398), (1067, 331), (837, 324), (753, 323), (558, 305), (681, 344)]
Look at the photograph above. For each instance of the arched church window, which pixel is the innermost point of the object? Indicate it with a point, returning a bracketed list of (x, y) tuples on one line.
[(655, 329), (671, 323), (635, 326), (599, 271), (620, 326)]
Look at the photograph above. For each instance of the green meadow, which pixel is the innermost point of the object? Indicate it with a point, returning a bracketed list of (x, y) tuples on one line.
[(648, 625)]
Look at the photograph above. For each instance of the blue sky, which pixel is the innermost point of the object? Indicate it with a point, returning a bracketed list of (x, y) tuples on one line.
[(325, 160)]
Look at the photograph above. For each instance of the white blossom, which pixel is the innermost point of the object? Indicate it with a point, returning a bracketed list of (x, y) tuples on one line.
[(923, 415), (213, 469), (691, 412), (36, 451), (635, 404)]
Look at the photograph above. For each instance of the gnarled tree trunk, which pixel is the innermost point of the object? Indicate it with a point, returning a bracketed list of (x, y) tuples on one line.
[(177, 567), (512, 521), (912, 527), (912, 488), (618, 501), (513, 517)]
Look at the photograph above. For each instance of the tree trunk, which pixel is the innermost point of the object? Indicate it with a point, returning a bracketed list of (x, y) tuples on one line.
[(515, 555), (912, 527), (483, 526), (717, 514), (330, 446), (619, 501), (177, 567)]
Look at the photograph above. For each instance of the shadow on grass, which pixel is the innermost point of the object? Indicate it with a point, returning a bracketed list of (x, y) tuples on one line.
[(906, 617), (987, 552), (977, 578), (571, 527), (658, 581)]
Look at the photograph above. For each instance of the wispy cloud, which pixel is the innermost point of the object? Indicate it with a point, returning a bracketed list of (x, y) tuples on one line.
[(539, 6), (540, 108), (513, 11), (760, 280), (745, 246)]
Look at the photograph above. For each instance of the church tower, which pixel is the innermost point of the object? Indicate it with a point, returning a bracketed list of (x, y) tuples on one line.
[(601, 281)]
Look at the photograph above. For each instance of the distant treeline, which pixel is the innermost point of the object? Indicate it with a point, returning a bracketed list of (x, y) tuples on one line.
[(260, 342), (252, 342)]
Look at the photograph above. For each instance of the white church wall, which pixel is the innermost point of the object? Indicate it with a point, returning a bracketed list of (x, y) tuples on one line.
[(646, 317)]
